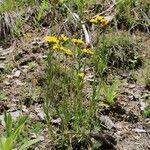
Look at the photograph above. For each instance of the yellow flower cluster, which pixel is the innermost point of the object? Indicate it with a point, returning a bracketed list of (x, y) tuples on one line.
[(88, 51), (54, 40), (66, 51), (81, 74), (77, 41), (64, 38), (56, 47), (100, 20), (57, 44), (51, 39), (62, 49)]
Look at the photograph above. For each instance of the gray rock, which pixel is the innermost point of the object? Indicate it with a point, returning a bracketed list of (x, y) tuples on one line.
[(107, 121), (2, 66), (17, 73)]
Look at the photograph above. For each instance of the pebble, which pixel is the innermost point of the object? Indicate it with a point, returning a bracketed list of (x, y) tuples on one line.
[(18, 82), (107, 121), (41, 115), (6, 82), (17, 73), (131, 86), (2, 66), (2, 58), (139, 130)]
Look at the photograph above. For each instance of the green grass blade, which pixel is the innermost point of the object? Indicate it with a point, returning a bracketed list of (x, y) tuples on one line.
[(28, 144), (2, 143), (8, 123)]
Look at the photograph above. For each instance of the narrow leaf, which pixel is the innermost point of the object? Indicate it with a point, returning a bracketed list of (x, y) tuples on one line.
[(28, 144)]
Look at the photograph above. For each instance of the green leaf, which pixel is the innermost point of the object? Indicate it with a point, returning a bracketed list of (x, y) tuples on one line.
[(41, 10), (9, 143), (20, 124), (8, 123), (2, 143), (28, 144), (12, 133)]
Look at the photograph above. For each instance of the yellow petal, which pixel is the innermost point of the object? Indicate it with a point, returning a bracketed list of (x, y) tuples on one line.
[(63, 37), (51, 39), (93, 20), (77, 41), (88, 51), (56, 47), (81, 74)]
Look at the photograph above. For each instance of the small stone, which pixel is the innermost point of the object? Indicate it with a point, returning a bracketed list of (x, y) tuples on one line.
[(41, 115), (25, 67), (15, 100), (2, 66), (25, 70), (44, 56), (107, 121), (41, 138), (17, 73), (2, 122), (9, 76), (137, 137), (18, 82), (56, 121), (147, 120), (136, 96), (124, 75), (34, 43), (131, 86), (139, 130), (145, 95), (2, 58), (33, 136), (6, 82), (142, 105), (24, 109)]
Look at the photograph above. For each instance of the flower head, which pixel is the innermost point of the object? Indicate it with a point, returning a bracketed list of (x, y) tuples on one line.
[(104, 23), (56, 47), (66, 51), (63, 38), (88, 51), (51, 39), (81, 74), (77, 41), (93, 20), (99, 20)]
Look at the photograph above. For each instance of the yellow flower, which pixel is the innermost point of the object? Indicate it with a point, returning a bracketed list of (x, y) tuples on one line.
[(56, 47), (96, 19), (66, 51), (100, 20), (88, 51), (81, 74), (51, 39), (77, 41), (93, 21), (104, 23), (63, 38), (62, 48)]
